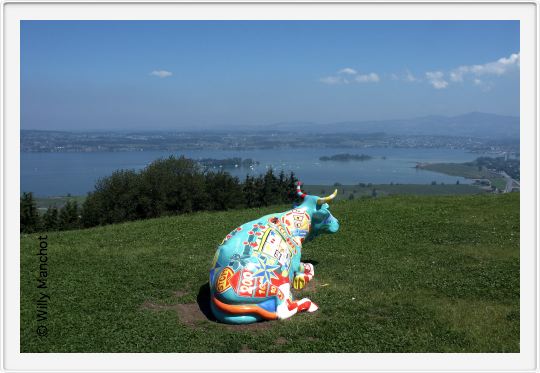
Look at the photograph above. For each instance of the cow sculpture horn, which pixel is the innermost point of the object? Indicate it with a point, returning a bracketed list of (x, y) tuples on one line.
[(299, 191), (322, 200)]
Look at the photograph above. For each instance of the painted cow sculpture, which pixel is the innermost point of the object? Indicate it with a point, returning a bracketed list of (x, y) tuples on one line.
[(256, 264)]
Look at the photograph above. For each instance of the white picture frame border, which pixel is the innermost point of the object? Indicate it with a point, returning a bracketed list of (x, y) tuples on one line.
[(15, 11)]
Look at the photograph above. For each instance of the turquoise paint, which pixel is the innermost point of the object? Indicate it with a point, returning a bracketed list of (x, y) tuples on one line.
[(256, 264)]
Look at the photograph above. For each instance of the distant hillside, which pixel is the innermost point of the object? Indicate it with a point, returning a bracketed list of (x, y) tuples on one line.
[(474, 124)]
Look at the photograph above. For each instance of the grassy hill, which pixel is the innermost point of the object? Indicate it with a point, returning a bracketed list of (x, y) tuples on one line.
[(404, 274)]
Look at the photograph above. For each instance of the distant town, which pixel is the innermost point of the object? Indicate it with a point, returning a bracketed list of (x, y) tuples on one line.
[(63, 141)]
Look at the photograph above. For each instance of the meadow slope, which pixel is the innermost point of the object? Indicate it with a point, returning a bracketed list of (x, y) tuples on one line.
[(404, 274)]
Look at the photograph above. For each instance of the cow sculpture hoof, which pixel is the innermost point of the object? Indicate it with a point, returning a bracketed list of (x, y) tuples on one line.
[(257, 263)]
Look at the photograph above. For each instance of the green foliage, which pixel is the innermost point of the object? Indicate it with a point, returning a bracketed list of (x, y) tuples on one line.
[(50, 219), (225, 192), (403, 274), (30, 220), (69, 217), (176, 186)]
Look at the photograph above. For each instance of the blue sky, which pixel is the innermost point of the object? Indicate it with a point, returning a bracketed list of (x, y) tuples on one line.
[(82, 75)]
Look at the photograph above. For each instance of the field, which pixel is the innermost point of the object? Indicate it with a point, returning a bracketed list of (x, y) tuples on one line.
[(43, 203), (467, 171), (357, 191), (403, 274)]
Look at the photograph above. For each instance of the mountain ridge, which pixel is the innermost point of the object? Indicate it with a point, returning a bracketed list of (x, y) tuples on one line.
[(472, 124)]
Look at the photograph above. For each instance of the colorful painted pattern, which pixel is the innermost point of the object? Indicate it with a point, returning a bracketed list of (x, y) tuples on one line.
[(257, 264)]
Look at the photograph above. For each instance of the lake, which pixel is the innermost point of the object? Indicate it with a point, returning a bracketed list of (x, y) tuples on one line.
[(55, 174)]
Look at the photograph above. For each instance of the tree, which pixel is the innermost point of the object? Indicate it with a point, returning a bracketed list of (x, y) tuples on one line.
[(271, 189), (249, 192), (224, 190), (30, 220), (50, 219), (69, 216), (115, 199), (291, 183), (176, 186)]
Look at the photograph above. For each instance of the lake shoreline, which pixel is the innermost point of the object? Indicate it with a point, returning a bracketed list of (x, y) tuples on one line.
[(56, 174)]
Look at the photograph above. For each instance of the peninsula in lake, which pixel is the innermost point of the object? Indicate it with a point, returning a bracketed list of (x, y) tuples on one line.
[(346, 157)]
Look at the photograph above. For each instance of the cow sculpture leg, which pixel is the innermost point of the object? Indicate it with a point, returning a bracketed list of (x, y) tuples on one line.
[(290, 307)]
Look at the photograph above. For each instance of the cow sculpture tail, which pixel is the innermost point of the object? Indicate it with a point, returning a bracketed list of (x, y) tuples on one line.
[(241, 313)]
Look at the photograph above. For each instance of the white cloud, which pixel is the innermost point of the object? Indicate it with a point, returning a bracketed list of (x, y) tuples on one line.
[(409, 77), (436, 79), (485, 86), (348, 71), (349, 75), (405, 77), (161, 73), (367, 78), (498, 68)]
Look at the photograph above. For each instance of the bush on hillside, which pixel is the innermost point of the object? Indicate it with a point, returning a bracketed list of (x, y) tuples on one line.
[(30, 220), (178, 185)]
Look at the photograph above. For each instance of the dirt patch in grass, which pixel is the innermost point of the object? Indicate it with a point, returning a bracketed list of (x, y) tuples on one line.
[(188, 314), (191, 315), (280, 341), (180, 293), (196, 314)]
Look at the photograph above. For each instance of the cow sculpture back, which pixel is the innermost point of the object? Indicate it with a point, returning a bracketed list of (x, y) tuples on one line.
[(256, 264)]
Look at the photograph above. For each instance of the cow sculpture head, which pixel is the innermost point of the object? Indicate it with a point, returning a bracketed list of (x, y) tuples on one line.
[(322, 220)]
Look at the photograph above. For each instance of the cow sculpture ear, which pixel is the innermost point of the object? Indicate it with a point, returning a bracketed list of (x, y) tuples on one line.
[(324, 206)]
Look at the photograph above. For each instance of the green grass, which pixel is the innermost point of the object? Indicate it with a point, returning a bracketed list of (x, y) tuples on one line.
[(458, 169), (345, 191), (404, 274), (499, 183), (466, 171)]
